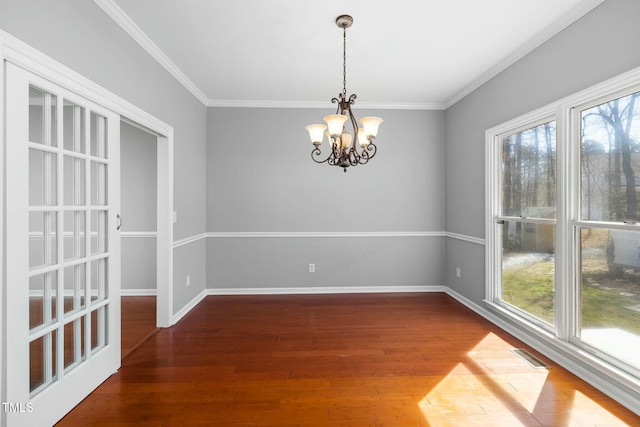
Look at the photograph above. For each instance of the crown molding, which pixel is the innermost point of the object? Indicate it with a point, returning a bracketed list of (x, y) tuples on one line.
[(560, 24), (235, 103), (123, 20), (313, 234)]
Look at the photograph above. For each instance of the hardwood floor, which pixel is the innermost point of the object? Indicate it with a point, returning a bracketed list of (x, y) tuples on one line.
[(339, 360), (138, 322)]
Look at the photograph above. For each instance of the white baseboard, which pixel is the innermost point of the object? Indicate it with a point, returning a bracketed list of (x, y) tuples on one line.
[(138, 292), (187, 308), (324, 290)]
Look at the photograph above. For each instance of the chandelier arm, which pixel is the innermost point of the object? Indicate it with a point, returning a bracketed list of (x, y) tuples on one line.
[(365, 153), (354, 159), (364, 157), (315, 154), (354, 123)]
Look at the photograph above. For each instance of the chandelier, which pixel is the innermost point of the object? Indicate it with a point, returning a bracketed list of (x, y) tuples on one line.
[(343, 152)]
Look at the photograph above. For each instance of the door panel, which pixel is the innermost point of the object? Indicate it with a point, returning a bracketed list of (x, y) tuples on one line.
[(63, 262)]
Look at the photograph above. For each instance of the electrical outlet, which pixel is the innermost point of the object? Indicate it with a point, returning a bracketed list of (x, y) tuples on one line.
[(175, 217), (188, 281), (312, 268), (458, 272)]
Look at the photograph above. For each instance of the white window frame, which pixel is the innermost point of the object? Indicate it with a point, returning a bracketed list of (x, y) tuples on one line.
[(493, 230), (563, 338), (575, 223), (540, 117)]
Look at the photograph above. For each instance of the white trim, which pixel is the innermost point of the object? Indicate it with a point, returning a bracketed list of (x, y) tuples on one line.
[(2, 235), (308, 234), (164, 221), (604, 377), (138, 292), (68, 293), (188, 307), (556, 27), (189, 240), (325, 290), (313, 234), (138, 234), (465, 238), (123, 20), (123, 234), (235, 103)]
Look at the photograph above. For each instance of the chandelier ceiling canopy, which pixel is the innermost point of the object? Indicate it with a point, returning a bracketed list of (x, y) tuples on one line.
[(342, 142)]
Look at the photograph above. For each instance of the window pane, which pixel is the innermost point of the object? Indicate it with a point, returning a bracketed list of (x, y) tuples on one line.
[(528, 172), (98, 136), (42, 299), (98, 280), (74, 180), (610, 292), (74, 287), (528, 268), (74, 235), (42, 361), (610, 157), (98, 184), (43, 235), (42, 117), (74, 342), (98, 232), (99, 328), (43, 176), (74, 127)]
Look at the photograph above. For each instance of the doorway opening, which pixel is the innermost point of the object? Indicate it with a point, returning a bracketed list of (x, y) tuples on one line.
[(138, 233)]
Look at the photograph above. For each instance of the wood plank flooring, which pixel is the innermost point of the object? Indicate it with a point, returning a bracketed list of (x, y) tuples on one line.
[(339, 360), (138, 322)]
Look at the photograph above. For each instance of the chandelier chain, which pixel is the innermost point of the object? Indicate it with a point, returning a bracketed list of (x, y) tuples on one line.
[(344, 62)]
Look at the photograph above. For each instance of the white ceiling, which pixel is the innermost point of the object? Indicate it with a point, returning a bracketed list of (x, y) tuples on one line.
[(400, 53)]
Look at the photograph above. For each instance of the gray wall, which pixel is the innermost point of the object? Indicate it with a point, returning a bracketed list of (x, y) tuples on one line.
[(599, 46), (81, 36), (138, 179), (260, 178)]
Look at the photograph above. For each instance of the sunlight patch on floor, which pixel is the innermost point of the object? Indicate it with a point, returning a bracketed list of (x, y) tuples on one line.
[(493, 386)]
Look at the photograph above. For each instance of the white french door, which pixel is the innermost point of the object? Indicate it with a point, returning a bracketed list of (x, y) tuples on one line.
[(63, 248)]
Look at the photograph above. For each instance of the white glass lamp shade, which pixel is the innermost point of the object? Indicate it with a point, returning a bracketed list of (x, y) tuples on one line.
[(316, 132), (332, 141), (335, 123), (347, 140), (362, 138), (370, 125)]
